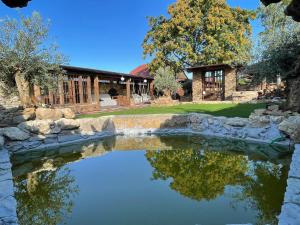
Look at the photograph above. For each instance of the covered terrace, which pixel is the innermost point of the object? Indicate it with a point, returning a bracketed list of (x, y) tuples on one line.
[(88, 90)]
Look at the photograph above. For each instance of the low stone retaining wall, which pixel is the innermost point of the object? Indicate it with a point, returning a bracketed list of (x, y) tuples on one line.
[(290, 212), (8, 203), (259, 127)]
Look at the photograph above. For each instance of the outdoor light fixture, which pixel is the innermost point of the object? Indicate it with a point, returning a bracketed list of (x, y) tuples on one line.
[(122, 78), (145, 81)]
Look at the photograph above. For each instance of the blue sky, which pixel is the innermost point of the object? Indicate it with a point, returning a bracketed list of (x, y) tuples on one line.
[(104, 34)]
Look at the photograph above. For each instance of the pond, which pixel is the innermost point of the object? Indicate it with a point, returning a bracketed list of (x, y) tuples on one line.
[(152, 180)]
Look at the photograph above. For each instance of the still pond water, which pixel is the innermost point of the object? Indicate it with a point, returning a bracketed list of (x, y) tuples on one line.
[(166, 180)]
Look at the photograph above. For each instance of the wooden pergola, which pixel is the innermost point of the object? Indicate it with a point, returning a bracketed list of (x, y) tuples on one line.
[(81, 89)]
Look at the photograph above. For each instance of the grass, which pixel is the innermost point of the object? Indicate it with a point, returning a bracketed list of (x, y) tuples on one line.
[(228, 110)]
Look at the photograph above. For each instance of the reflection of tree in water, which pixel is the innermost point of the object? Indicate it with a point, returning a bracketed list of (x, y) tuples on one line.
[(45, 198), (265, 191), (196, 175), (203, 175)]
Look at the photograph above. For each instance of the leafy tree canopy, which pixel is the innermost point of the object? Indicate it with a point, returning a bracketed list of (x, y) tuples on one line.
[(278, 48), (199, 32), (26, 57)]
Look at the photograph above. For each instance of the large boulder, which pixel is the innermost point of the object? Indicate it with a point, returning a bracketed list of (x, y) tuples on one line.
[(291, 127), (67, 124), (40, 127), (14, 134), (68, 113), (259, 121), (237, 122), (27, 114), (48, 114)]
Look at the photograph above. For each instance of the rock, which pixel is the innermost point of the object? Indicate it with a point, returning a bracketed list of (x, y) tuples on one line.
[(14, 134), (198, 117), (291, 127), (40, 127), (27, 114), (1, 141), (276, 119), (67, 124), (48, 114), (237, 122), (259, 112), (68, 113), (273, 107), (259, 121), (255, 133), (69, 138)]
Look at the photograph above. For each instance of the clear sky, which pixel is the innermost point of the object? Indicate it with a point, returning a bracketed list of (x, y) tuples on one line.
[(104, 34)]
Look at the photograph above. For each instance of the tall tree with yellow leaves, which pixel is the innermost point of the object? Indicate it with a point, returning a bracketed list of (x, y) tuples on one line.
[(199, 32)]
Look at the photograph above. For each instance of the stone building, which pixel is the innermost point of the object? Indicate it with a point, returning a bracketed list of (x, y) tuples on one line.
[(213, 82)]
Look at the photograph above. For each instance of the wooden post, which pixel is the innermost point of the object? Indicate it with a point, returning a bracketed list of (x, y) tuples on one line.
[(71, 91), (61, 92), (128, 89), (152, 89), (96, 90), (80, 89), (89, 90), (51, 100)]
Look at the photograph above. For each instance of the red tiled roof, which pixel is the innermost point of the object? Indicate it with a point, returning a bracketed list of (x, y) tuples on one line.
[(141, 71)]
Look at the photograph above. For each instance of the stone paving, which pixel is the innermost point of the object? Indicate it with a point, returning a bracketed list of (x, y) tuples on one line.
[(8, 215), (290, 213)]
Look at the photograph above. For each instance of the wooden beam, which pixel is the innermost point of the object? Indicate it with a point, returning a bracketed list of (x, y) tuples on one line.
[(51, 100), (89, 89), (80, 89), (128, 89), (61, 92), (96, 90)]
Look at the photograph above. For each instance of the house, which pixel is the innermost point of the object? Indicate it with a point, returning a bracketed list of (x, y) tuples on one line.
[(213, 82), (144, 71), (85, 90)]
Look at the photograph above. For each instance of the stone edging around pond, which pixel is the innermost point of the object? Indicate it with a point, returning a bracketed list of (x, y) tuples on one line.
[(8, 203), (290, 212), (38, 134)]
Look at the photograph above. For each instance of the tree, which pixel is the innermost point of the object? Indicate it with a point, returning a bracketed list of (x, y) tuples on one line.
[(50, 199), (165, 81), (25, 57), (198, 175), (199, 32), (279, 50)]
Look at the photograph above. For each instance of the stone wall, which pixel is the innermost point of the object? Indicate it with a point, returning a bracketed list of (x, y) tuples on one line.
[(230, 83), (290, 212), (50, 129), (244, 96), (8, 204), (197, 86)]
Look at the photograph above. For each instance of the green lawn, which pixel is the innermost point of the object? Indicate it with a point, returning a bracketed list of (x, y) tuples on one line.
[(229, 110)]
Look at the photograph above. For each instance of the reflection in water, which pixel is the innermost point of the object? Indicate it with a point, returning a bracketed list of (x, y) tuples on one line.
[(204, 175), (197, 174), (45, 197), (265, 190), (200, 169)]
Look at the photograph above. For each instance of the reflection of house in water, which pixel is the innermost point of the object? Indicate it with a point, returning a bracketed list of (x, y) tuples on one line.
[(24, 163)]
